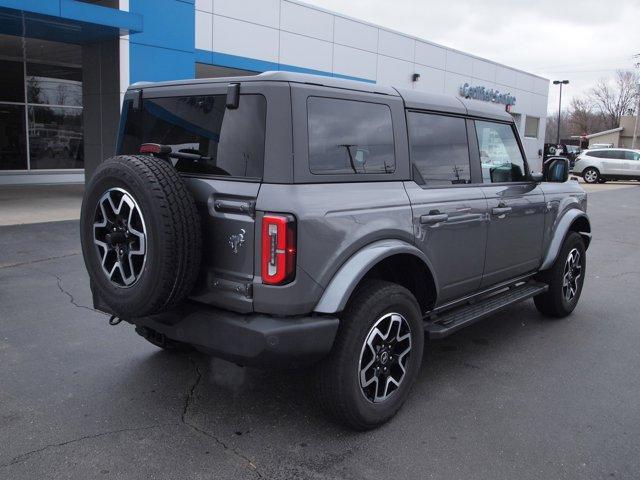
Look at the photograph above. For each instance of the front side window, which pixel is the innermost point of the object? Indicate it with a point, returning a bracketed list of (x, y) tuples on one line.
[(349, 137), (439, 149), (500, 154), (629, 155), (229, 142)]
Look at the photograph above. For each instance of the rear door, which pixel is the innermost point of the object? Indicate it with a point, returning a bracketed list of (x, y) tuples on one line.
[(612, 161), (449, 207), (516, 205), (220, 155)]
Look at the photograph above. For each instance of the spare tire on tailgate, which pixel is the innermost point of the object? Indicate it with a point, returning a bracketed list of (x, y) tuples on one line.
[(140, 235)]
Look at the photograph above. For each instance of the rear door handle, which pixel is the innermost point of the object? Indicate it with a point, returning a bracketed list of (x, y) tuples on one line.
[(433, 218), (501, 211)]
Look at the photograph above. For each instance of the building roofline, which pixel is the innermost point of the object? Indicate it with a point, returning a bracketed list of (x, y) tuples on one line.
[(604, 132), (413, 37)]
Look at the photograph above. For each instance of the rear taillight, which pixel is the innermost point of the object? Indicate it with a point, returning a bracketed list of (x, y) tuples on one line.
[(278, 249)]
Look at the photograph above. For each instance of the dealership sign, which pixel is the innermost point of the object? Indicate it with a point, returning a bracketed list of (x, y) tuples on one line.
[(488, 95)]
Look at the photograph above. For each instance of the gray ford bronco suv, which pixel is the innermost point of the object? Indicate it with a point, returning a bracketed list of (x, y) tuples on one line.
[(290, 220)]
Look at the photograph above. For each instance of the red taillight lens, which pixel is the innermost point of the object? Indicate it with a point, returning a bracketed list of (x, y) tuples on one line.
[(150, 148), (278, 249), (155, 148)]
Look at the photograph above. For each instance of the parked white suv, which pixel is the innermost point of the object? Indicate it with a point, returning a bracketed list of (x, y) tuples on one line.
[(600, 165)]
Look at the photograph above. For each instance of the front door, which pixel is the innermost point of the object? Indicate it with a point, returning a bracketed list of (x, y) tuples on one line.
[(449, 211), (516, 205)]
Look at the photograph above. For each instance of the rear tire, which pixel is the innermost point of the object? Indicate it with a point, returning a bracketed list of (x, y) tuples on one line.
[(394, 311), (565, 279), (591, 175)]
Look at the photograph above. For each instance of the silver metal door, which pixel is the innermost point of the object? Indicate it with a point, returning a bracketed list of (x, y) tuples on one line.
[(515, 231), (450, 227)]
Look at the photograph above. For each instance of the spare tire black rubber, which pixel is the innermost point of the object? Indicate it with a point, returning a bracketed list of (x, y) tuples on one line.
[(140, 235)]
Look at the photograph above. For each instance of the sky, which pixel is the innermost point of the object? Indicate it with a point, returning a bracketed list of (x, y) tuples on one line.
[(580, 41)]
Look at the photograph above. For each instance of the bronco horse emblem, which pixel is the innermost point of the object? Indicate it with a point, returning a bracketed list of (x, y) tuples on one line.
[(237, 240)]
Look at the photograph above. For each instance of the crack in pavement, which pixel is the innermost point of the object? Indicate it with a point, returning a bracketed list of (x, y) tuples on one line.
[(31, 262), (185, 411), (71, 298), (26, 455)]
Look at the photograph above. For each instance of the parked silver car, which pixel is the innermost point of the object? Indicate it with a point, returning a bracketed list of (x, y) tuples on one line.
[(600, 165)]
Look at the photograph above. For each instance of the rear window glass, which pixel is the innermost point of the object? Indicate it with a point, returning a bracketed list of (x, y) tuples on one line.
[(221, 141), (347, 137)]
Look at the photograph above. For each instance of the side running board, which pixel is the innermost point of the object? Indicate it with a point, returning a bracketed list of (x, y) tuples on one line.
[(453, 320)]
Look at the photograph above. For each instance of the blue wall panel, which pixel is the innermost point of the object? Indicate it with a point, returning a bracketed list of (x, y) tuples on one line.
[(167, 23), (156, 64), (165, 49)]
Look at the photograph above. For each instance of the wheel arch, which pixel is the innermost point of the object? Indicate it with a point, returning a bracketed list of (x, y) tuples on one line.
[(573, 221), (393, 260)]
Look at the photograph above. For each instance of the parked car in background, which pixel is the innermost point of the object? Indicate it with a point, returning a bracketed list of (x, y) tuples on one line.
[(572, 152), (600, 145), (600, 165), (562, 150)]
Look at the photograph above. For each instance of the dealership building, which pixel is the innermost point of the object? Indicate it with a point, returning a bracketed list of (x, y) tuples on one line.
[(65, 65)]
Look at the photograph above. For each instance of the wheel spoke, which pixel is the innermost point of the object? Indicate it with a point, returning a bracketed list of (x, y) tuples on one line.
[(383, 358), (119, 234)]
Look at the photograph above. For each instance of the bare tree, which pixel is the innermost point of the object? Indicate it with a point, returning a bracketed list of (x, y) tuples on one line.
[(583, 118), (551, 130), (615, 98)]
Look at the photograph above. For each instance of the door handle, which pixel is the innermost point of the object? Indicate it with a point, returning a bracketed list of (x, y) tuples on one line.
[(433, 218), (501, 211)]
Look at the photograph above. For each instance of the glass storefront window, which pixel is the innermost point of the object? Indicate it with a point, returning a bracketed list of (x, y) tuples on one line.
[(54, 84), (11, 81), (55, 137), (40, 108), (13, 145)]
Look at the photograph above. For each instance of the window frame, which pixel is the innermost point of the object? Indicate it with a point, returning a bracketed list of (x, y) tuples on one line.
[(301, 167), (528, 180), (474, 165), (393, 139)]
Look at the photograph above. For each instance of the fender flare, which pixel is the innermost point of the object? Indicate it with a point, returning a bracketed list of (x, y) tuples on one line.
[(348, 276), (559, 234)]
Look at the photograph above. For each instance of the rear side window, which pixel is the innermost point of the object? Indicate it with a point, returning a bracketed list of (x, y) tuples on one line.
[(349, 137), (229, 142), (500, 155), (439, 149)]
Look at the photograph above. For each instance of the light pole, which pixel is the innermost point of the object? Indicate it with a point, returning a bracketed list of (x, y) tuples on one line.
[(559, 82), (635, 128)]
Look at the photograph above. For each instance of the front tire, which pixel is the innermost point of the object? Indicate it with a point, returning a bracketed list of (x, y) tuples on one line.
[(591, 175), (375, 358), (565, 279)]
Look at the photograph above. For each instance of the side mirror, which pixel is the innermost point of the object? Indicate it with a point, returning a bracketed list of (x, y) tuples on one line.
[(556, 169)]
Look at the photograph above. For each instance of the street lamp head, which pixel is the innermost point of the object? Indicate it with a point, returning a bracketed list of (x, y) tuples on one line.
[(557, 82)]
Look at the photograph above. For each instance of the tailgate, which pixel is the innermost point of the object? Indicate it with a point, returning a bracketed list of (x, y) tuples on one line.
[(227, 212)]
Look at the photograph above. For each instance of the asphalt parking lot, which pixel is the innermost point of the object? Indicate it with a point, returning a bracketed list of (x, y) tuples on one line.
[(513, 397)]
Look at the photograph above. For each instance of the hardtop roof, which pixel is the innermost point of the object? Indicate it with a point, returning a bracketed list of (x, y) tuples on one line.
[(413, 98)]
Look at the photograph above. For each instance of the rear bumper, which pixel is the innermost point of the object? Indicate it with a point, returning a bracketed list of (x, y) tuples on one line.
[(255, 339)]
